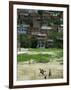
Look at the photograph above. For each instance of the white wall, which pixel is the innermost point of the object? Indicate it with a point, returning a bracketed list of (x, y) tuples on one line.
[(4, 44)]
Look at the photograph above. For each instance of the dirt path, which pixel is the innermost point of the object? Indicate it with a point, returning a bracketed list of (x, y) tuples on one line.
[(34, 52), (32, 72)]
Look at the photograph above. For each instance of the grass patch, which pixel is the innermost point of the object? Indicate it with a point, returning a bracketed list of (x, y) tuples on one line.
[(58, 54), (35, 57), (45, 49)]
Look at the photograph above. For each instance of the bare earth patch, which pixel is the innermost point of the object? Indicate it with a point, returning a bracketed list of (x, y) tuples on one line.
[(52, 70)]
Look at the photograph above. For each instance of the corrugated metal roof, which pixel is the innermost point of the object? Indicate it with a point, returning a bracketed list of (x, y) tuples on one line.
[(46, 27)]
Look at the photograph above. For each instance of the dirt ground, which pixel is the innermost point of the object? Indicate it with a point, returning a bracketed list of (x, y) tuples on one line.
[(52, 70)]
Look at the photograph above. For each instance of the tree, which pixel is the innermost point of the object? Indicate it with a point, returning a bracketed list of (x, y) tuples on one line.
[(24, 40), (40, 12), (57, 38), (33, 42), (57, 20)]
